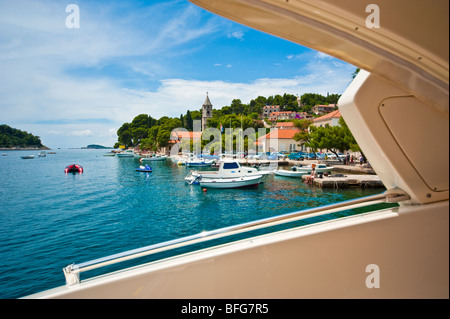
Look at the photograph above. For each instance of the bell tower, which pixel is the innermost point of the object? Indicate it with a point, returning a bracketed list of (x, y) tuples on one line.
[(206, 111)]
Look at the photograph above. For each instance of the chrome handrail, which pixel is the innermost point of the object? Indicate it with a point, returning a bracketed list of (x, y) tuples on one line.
[(72, 271)]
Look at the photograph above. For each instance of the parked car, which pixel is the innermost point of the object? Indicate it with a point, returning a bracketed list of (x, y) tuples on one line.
[(331, 156), (279, 155), (260, 156), (251, 155), (298, 156), (320, 156)]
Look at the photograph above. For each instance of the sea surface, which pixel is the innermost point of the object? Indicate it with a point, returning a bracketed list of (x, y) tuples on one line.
[(50, 219)]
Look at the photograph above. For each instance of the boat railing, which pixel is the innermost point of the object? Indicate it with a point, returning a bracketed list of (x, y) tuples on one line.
[(72, 272)]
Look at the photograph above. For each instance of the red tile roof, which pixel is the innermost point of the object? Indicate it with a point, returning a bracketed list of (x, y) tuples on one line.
[(282, 112), (334, 114), (281, 134), (285, 124)]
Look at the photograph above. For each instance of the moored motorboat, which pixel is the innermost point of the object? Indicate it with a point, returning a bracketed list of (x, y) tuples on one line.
[(227, 169), (153, 158), (127, 153), (244, 181), (27, 157), (319, 168), (290, 173), (196, 162), (73, 168)]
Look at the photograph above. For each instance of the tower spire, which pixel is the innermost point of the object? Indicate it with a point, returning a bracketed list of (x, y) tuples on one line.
[(206, 111)]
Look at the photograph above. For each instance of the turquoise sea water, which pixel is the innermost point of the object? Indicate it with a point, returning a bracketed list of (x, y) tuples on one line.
[(49, 219)]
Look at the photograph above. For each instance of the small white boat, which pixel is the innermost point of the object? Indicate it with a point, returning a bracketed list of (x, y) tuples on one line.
[(42, 154), (244, 181), (153, 158), (228, 169), (127, 153), (290, 173), (320, 168), (27, 157), (199, 162)]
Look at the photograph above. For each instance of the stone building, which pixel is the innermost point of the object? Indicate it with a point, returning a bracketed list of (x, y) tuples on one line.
[(206, 111)]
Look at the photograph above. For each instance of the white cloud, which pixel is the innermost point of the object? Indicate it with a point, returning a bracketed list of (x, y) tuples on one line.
[(43, 92), (82, 133), (236, 35)]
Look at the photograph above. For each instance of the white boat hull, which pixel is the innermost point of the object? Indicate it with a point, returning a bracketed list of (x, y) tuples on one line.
[(307, 170), (231, 183), (153, 159), (289, 173), (199, 163)]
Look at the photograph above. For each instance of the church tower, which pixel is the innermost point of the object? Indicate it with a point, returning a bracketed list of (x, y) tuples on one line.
[(206, 111)]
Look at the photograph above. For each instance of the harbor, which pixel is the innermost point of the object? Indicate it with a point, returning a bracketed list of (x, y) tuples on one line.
[(342, 176), (112, 207)]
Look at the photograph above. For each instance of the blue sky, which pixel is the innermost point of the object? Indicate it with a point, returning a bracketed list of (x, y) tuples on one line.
[(74, 87)]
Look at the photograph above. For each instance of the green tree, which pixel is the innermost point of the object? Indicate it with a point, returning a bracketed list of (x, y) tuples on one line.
[(330, 138), (142, 120), (237, 107), (163, 138), (138, 134), (303, 135), (290, 103), (11, 137), (124, 135), (188, 121)]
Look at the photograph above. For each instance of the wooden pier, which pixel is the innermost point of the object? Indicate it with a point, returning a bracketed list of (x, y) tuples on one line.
[(363, 181)]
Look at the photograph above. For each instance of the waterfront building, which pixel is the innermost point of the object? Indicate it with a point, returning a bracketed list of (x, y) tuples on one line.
[(279, 140)]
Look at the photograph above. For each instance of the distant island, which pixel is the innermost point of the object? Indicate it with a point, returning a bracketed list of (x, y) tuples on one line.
[(11, 138), (95, 146)]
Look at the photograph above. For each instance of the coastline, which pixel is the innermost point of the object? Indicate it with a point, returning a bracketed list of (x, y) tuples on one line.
[(44, 148)]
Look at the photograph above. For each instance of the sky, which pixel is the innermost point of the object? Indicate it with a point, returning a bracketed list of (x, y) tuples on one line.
[(75, 86)]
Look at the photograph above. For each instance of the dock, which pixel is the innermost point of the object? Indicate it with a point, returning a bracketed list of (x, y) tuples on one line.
[(363, 181)]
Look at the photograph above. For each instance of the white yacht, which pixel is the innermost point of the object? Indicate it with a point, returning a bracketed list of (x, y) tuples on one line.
[(228, 169), (397, 108)]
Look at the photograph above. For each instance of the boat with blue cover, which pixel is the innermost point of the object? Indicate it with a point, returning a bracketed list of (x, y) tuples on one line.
[(144, 168)]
